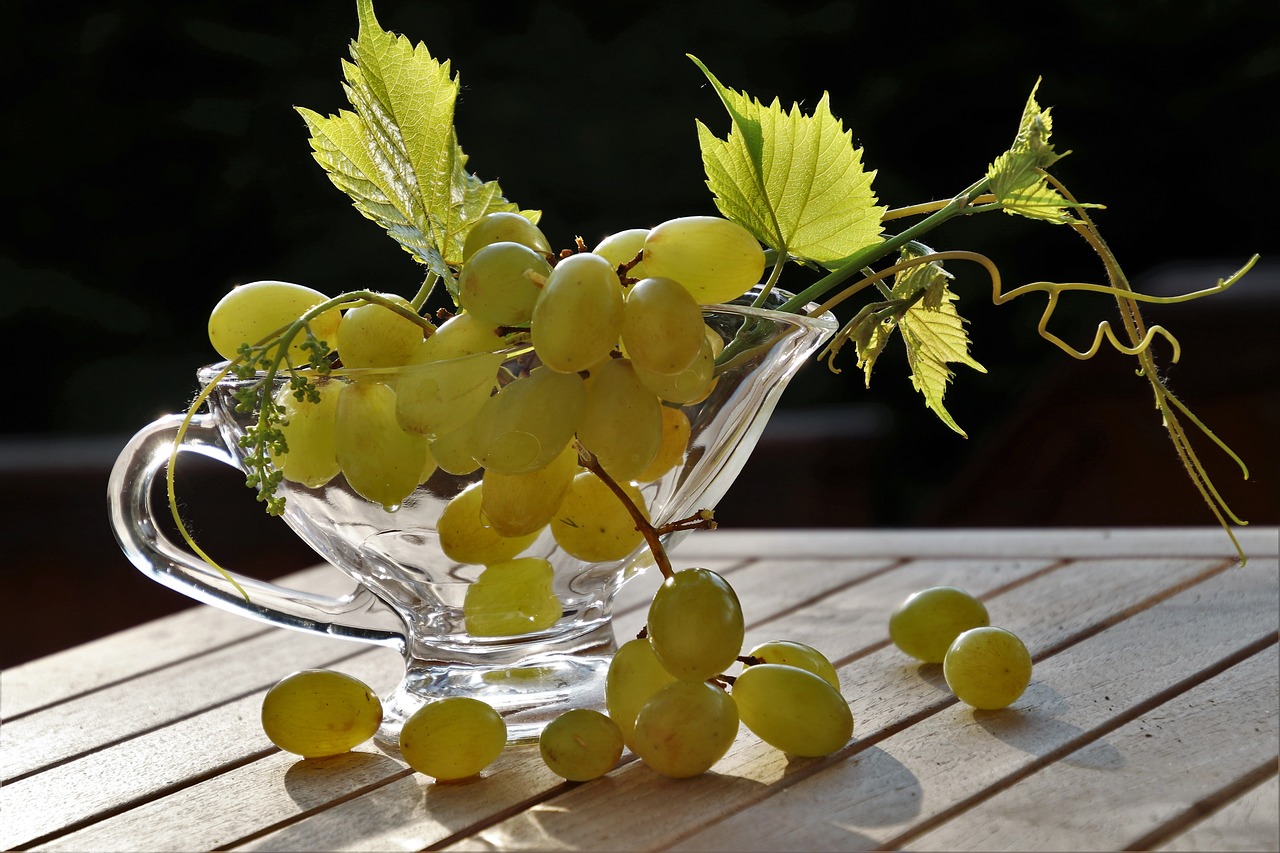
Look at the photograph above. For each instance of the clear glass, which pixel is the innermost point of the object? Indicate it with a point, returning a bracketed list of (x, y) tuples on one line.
[(408, 594)]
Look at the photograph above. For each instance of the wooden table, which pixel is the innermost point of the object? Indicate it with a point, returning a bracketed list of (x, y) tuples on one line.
[(1150, 722)]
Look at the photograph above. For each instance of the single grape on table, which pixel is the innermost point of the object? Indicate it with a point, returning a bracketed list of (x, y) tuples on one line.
[(925, 625), (316, 713)]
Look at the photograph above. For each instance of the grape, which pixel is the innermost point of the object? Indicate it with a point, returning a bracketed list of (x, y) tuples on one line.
[(513, 597), (799, 655), (529, 422), (581, 744), (467, 537), (318, 712), (504, 227), (622, 421), (675, 441), (695, 624), (251, 312), (309, 431), (373, 335), (792, 709), (452, 451), (592, 524), (622, 248), (634, 676), (578, 315), (452, 738), (662, 326), (987, 668), (691, 385), (928, 621), (501, 282), (685, 728), (436, 397), (381, 461), (520, 504), (716, 260), (462, 334)]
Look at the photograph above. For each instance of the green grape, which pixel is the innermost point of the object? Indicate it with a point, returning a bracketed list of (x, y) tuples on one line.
[(521, 504), (452, 451), (691, 385), (251, 312), (501, 282), (925, 625), (685, 728), (462, 334), (634, 677), (715, 259), (799, 655), (696, 624), (452, 738), (504, 227), (513, 597), (437, 397), (987, 668), (318, 712), (381, 461), (529, 422), (373, 335), (662, 326), (622, 248), (309, 433), (793, 709), (592, 524), (581, 744), (467, 537), (578, 315), (676, 430), (622, 421)]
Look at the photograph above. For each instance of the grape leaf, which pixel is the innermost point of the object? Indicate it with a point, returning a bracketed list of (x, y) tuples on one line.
[(1016, 176), (796, 182), (934, 334), (397, 155)]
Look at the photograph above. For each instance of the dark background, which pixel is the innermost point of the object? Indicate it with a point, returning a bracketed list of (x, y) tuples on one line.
[(153, 159)]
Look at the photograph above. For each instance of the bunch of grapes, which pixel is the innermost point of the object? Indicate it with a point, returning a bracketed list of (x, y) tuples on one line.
[(986, 667)]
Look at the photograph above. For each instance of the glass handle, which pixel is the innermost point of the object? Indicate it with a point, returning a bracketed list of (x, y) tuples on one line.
[(359, 615)]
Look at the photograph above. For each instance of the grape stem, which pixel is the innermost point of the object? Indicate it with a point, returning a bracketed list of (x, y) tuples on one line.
[(703, 519)]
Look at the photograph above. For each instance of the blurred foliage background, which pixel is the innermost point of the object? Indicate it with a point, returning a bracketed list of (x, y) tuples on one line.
[(153, 159)]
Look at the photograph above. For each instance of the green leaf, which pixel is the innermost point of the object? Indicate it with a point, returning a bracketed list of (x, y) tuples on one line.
[(1017, 177), (796, 182), (934, 334), (397, 155)]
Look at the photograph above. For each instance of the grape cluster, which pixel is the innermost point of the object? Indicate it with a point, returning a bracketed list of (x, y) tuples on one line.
[(986, 667), (552, 363)]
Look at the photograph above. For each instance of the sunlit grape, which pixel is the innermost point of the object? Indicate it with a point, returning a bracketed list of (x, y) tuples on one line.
[(987, 668), (581, 744), (696, 624), (317, 712), (676, 430), (381, 461), (504, 227), (529, 422), (452, 738), (374, 335), (510, 598), (592, 524), (925, 625), (251, 312), (501, 282), (622, 248), (466, 535), (796, 654), (522, 504), (715, 259), (437, 397), (309, 430), (691, 385), (578, 315), (634, 677), (685, 728), (792, 709), (622, 420), (662, 326)]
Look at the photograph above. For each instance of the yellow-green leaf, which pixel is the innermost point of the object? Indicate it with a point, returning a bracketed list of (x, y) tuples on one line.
[(396, 154), (795, 181)]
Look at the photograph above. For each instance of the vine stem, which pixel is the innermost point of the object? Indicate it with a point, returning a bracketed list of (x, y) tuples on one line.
[(700, 520)]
